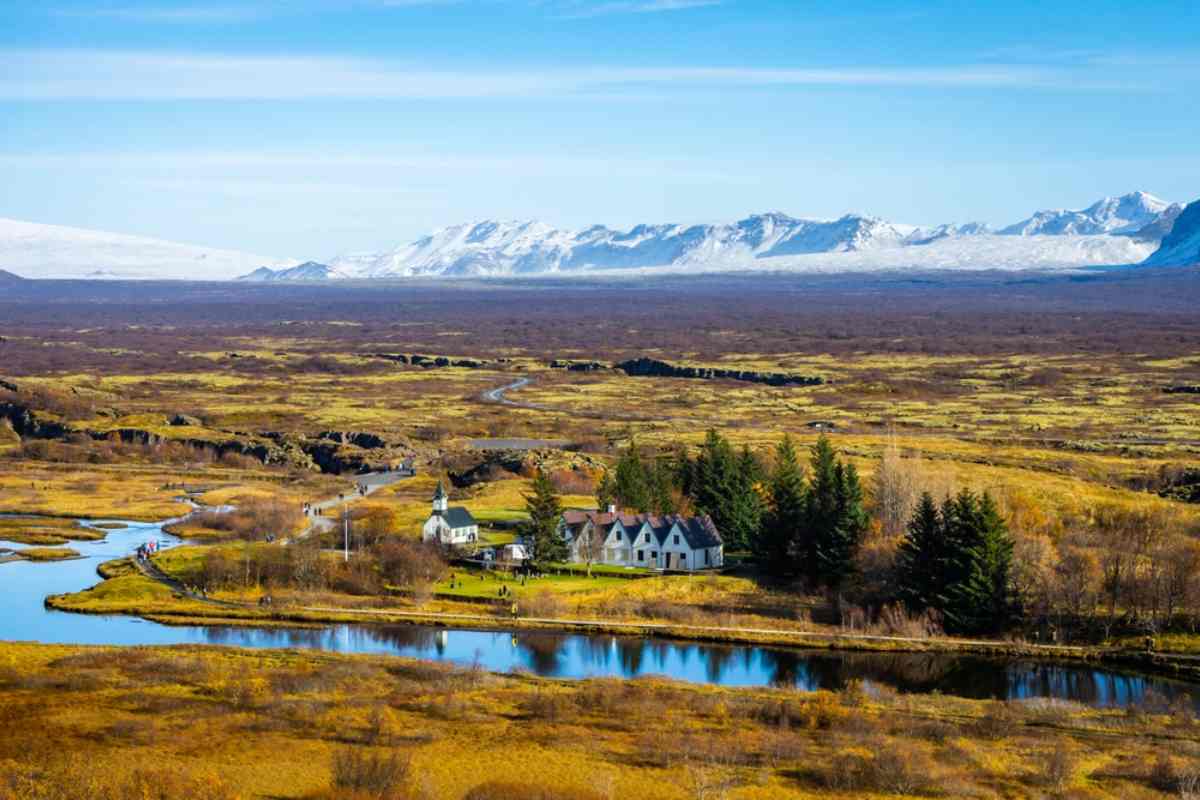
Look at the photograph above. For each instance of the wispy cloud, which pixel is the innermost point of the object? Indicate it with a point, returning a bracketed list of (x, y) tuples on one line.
[(233, 168), (207, 13), (142, 75), (171, 15), (585, 10)]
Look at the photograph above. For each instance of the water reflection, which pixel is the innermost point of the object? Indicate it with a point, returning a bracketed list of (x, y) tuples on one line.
[(23, 585)]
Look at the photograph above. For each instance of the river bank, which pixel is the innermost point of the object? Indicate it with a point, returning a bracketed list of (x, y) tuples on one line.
[(116, 610), (129, 592), (226, 722)]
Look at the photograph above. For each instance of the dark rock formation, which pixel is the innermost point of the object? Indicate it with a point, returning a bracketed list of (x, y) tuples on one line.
[(9, 385), (1181, 389), (431, 362), (649, 367), (184, 420), (578, 366), (26, 423), (367, 441)]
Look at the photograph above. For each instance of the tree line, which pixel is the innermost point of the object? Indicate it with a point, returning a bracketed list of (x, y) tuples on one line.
[(810, 521)]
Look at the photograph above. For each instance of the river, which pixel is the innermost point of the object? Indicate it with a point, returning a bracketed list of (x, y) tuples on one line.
[(23, 617)]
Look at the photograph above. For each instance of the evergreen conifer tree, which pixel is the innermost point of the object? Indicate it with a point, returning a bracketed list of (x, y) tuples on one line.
[(920, 559), (784, 518), (980, 598), (606, 491), (540, 533), (632, 481)]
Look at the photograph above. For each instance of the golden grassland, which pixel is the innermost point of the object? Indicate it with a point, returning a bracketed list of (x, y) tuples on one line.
[(45, 531), (47, 553), (217, 723)]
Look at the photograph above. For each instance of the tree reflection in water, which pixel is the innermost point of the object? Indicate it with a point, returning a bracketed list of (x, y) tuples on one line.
[(577, 656)]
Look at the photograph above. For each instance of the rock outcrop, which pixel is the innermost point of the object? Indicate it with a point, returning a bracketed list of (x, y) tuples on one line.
[(578, 366), (649, 367), (430, 362)]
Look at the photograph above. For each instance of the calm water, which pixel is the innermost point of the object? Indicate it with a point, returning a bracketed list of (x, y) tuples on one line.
[(23, 617)]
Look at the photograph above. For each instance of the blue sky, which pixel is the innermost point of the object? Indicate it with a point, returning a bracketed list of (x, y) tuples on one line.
[(306, 128)]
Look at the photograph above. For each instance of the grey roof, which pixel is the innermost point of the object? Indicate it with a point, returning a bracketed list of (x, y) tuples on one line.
[(440, 494), (700, 532), (457, 517)]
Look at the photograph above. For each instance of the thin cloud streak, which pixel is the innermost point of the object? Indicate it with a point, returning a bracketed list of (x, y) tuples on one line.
[(207, 14), (187, 15), (638, 7), (149, 75), (241, 163)]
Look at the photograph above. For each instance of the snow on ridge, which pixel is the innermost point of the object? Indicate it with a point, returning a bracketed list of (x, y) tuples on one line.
[(1115, 215), (55, 251)]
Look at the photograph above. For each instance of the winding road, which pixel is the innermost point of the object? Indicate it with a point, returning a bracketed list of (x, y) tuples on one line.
[(499, 395)]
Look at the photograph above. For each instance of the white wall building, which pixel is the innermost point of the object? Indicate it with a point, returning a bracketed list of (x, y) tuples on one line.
[(449, 527), (643, 540)]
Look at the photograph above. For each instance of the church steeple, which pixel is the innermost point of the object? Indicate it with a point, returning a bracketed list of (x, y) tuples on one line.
[(440, 501)]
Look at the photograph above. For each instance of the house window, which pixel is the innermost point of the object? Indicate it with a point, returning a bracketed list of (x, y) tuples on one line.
[(677, 538), (706, 561), (641, 555)]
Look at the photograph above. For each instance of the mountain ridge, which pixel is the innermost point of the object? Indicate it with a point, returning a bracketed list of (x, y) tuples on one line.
[(1117, 230), (1049, 239), (1180, 247)]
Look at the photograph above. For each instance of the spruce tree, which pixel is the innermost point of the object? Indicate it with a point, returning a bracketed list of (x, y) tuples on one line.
[(660, 487), (835, 519), (632, 482), (920, 558), (820, 508), (540, 533), (785, 515), (980, 600), (606, 491), (839, 543), (714, 485)]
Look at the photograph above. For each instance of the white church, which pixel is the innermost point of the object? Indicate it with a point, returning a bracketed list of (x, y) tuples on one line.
[(449, 527)]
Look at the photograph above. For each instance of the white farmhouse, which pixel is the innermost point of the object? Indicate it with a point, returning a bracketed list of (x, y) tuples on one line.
[(643, 540), (449, 527)]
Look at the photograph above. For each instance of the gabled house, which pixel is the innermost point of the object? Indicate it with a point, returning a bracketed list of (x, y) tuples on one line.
[(449, 526), (642, 540)]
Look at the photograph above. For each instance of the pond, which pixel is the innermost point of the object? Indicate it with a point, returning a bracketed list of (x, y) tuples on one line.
[(23, 585)]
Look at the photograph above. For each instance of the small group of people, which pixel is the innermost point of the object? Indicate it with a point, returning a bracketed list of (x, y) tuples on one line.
[(147, 549)]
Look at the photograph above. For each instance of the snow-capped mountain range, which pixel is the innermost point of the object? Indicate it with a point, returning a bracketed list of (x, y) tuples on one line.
[(1119, 230), (1111, 231)]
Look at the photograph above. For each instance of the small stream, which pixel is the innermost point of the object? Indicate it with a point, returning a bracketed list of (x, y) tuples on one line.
[(23, 617)]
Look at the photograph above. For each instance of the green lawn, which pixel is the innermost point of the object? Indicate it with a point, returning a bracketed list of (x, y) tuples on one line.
[(476, 584)]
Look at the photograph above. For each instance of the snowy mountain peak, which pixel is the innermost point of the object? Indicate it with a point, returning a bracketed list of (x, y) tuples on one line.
[(1114, 215), (308, 271)]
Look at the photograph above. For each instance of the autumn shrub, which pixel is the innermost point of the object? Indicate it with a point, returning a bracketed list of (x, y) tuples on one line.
[(1059, 767), (893, 766), (998, 721), (672, 612), (410, 564), (513, 790), (375, 775), (548, 706), (542, 604), (75, 779)]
